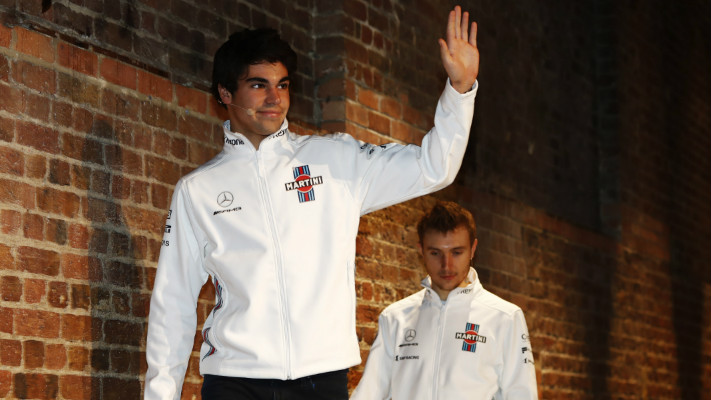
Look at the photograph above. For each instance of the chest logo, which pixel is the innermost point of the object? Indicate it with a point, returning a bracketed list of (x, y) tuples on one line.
[(470, 338), (225, 199), (304, 183)]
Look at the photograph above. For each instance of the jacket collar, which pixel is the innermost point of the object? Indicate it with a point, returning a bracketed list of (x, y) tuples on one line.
[(471, 289), (235, 141)]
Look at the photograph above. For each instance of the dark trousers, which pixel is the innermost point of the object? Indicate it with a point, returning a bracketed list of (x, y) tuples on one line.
[(326, 386)]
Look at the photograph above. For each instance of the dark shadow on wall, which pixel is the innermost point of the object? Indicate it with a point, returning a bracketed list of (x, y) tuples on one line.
[(688, 221), (115, 277)]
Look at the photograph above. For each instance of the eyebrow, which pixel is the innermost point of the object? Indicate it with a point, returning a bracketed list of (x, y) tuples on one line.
[(453, 248), (263, 80)]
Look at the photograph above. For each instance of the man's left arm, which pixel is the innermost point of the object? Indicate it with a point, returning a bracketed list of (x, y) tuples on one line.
[(518, 376), (395, 173)]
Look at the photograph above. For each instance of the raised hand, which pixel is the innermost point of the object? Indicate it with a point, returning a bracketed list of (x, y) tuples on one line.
[(460, 56)]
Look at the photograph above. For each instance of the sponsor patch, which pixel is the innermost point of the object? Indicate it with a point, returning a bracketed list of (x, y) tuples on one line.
[(470, 338), (304, 183)]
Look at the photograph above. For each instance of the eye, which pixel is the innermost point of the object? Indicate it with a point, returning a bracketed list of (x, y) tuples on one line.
[(283, 85), (257, 86)]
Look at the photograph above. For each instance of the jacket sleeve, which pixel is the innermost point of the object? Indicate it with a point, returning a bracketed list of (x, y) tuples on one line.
[(518, 376), (375, 382), (172, 320), (394, 173)]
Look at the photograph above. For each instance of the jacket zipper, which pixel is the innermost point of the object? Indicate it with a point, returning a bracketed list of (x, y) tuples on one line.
[(286, 338), (438, 350)]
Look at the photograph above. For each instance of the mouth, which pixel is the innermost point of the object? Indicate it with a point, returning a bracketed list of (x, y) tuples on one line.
[(270, 113)]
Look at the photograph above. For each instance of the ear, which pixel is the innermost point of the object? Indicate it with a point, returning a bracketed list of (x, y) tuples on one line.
[(419, 248), (476, 241), (225, 94)]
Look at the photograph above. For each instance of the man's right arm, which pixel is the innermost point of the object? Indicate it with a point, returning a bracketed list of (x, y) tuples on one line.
[(173, 319)]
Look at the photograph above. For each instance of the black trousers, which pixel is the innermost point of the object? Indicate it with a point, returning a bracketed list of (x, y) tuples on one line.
[(326, 386)]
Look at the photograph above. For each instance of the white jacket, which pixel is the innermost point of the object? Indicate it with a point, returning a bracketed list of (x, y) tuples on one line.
[(275, 230), (474, 345)]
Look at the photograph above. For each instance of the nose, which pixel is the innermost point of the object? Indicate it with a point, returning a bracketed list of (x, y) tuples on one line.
[(447, 262), (273, 96)]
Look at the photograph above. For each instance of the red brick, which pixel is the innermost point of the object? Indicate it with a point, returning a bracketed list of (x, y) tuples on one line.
[(77, 358), (33, 354), (34, 290), (78, 90), (55, 356), (17, 193), (158, 116), (7, 128), (155, 86), (35, 77), (75, 387), (119, 73), (35, 44), (58, 202), (379, 123), (36, 106), (4, 69), (5, 376), (62, 113), (369, 98), (81, 296), (78, 239), (120, 105), (11, 161), (6, 320), (11, 100), (35, 166), (56, 231), (356, 114), (57, 295), (5, 36), (39, 137), (59, 172), (76, 327), (38, 261), (36, 323), (33, 226), (10, 352), (36, 386), (191, 98), (77, 59), (391, 107), (11, 221), (163, 170)]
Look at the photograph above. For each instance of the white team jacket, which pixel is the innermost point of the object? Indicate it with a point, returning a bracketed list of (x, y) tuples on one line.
[(275, 230), (473, 346)]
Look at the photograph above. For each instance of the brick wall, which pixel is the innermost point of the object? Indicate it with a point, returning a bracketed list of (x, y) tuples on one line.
[(587, 172)]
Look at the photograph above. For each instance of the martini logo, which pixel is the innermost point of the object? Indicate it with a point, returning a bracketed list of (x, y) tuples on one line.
[(303, 183), (470, 338)]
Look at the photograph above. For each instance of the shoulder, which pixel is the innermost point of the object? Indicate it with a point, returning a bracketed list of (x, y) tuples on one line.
[(496, 303), (404, 306), (211, 165), (330, 139)]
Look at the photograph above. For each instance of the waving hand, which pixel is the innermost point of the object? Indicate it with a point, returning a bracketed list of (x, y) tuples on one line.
[(460, 56)]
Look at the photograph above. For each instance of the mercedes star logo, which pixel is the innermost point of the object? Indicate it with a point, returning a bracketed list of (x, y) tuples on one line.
[(225, 199), (410, 335)]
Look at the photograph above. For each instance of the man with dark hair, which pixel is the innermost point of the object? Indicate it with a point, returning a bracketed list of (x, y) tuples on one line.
[(272, 221), (453, 339)]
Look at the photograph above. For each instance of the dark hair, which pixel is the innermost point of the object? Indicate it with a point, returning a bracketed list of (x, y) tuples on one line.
[(446, 216), (245, 48)]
